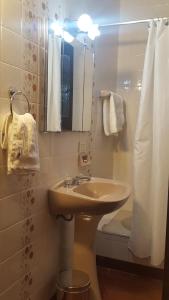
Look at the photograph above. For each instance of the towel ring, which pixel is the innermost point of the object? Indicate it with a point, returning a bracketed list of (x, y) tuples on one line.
[(13, 94)]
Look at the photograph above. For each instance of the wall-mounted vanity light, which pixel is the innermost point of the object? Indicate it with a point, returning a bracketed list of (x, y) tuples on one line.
[(69, 29), (85, 24), (58, 29), (68, 37), (93, 31)]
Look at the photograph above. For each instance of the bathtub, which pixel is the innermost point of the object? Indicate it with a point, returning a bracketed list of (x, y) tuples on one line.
[(113, 235)]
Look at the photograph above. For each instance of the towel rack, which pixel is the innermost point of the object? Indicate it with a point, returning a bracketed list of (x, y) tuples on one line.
[(106, 94), (13, 93)]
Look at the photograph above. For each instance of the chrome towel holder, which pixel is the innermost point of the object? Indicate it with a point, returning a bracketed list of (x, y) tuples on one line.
[(13, 93)]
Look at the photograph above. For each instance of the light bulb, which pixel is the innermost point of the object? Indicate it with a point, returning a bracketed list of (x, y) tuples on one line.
[(68, 37), (93, 31), (57, 28), (84, 22)]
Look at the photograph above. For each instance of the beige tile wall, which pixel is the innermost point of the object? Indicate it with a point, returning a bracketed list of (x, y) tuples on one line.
[(29, 237), (106, 47), (131, 52), (119, 65)]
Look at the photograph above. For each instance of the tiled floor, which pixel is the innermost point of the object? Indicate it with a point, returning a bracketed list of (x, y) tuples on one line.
[(117, 285)]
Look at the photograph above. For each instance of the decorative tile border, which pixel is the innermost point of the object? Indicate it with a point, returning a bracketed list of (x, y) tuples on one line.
[(30, 85), (30, 56), (27, 200), (30, 20)]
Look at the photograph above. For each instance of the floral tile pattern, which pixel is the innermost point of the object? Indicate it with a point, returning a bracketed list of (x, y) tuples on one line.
[(27, 202), (23, 198), (34, 111), (30, 56), (43, 8), (30, 85), (43, 12), (30, 20)]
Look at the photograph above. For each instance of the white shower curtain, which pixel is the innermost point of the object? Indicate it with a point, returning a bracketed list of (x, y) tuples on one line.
[(54, 84), (151, 153)]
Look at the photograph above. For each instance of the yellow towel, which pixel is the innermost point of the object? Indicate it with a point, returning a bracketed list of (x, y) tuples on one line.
[(19, 138)]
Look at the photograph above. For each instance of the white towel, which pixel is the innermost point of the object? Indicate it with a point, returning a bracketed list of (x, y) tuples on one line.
[(119, 113), (106, 219), (113, 113), (106, 119), (19, 138)]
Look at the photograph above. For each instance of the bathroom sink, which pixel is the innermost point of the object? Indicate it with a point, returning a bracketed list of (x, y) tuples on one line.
[(88, 201), (97, 196)]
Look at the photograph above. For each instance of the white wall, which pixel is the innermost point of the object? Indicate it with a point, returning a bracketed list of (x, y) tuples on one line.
[(105, 78)]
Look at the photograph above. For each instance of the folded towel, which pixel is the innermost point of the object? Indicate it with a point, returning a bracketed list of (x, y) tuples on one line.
[(119, 114), (113, 113), (19, 138), (106, 119)]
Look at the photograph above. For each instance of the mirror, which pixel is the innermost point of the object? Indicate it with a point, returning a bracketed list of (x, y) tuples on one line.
[(68, 84)]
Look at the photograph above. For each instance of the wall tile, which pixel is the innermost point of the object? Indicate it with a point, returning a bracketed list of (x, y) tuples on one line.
[(15, 267), (11, 40), (0, 30), (10, 184), (42, 277), (22, 205), (4, 108), (45, 291), (42, 24), (43, 8), (28, 232), (30, 20), (24, 233), (30, 85), (11, 14), (9, 77), (41, 70), (60, 144), (0, 11), (45, 145), (30, 56), (143, 10)]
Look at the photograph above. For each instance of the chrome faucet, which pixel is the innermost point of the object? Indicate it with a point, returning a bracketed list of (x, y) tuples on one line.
[(76, 180), (81, 178)]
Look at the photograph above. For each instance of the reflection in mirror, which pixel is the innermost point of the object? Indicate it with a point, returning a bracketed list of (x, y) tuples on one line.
[(53, 99), (67, 85), (69, 80), (82, 87)]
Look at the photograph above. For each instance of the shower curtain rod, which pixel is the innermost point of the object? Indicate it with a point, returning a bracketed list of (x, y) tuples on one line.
[(132, 22)]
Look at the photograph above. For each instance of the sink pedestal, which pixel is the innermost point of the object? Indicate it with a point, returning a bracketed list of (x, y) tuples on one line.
[(88, 201), (84, 257)]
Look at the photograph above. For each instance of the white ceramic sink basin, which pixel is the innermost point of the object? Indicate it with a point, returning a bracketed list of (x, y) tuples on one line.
[(97, 196)]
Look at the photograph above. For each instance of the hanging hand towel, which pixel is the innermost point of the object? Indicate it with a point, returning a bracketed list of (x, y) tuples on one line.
[(113, 113), (106, 119), (117, 119), (19, 138)]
